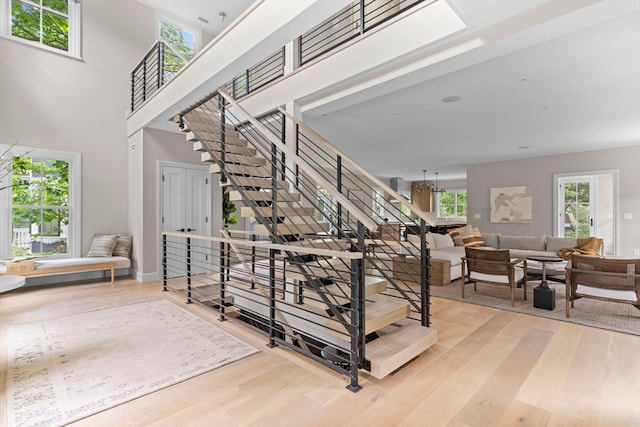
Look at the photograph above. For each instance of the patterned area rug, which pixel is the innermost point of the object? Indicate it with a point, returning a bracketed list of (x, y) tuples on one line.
[(65, 369), (600, 314)]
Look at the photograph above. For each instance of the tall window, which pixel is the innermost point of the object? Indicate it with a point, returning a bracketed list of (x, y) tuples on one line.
[(51, 24), (43, 205), (452, 204), (183, 44)]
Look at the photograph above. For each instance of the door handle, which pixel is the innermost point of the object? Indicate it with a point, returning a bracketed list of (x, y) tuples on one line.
[(191, 229), (180, 230)]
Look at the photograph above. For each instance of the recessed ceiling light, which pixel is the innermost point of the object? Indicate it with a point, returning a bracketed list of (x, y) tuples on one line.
[(524, 147), (453, 98)]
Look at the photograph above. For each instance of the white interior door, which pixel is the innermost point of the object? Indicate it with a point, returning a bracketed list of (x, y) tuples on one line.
[(586, 206), (186, 208)]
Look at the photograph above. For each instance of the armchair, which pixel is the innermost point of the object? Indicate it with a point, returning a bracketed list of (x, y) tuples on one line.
[(607, 279), (493, 266)]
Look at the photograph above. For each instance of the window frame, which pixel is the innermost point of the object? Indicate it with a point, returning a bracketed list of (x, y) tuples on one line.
[(75, 24), (197, 34), (74, 243), (455, 204)]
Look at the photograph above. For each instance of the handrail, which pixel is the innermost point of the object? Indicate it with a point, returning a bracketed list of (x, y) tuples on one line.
[(275, 246), (346, 159), (309, 170)]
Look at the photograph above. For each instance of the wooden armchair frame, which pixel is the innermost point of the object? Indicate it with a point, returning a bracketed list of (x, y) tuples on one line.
[(606, 279), (497, 263)]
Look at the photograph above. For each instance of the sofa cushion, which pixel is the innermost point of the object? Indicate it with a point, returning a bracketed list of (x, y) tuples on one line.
[(490, 239), (442, 241), (453, 254), (102, 245), (554, 244), (415, 239), (532, 243)]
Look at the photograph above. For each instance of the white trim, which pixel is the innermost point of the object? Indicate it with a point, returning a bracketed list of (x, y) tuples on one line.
[(183, 25), (162, 164), (75, 200), (616, 200), (74, 15)]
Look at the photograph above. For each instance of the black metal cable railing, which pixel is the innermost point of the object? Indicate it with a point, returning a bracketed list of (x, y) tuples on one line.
[(350, 22), (161, 63), (278, 184), (257, 76), (248, 294), (157, 67)]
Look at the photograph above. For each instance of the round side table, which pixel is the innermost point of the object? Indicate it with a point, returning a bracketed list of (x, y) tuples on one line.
[(9, 283), (543, 295)]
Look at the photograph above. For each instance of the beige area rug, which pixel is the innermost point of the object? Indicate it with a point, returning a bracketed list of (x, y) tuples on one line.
[(600, 314), (65, 369)]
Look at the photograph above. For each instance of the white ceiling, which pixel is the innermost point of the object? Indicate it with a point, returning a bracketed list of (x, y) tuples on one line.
[(569, 82)]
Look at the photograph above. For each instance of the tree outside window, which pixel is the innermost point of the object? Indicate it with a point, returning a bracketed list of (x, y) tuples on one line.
[(182, 45), (40, 206), (452, 204), (50, 23)]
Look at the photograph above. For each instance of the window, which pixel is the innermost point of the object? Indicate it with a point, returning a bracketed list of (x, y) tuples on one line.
[(324, 205), (452, 204), (50, 24), (182, 44), (42, 204)]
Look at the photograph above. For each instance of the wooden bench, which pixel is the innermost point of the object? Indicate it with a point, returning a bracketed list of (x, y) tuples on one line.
[(51, 267)]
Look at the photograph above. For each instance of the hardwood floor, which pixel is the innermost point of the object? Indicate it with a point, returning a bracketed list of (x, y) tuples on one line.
[(489, 368)]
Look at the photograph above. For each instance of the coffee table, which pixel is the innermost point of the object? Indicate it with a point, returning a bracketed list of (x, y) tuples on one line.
[(9, 283), (543, 295)]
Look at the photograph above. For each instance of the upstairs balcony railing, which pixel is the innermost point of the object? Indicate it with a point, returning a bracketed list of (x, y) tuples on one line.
[(158, 66), (161, 63), (350, 22)]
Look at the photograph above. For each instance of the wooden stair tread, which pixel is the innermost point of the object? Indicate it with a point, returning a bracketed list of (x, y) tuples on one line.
[(400, 342), (380, 311), (288, 229), (242, 170), (216, 147), (339, 292), (282, 196), (237, 159), (214, 138), (250, 182), (284, 211)]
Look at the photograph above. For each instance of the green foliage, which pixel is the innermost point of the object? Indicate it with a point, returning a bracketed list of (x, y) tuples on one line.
[(453, 204), (577, 209), (228, 207), (47, 24), (37, 183)]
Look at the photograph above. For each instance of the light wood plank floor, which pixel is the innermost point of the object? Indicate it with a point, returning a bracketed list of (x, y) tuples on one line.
[(489, 368)]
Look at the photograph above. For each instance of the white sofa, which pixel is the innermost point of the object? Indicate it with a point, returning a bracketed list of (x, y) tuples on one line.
[(442, 247)]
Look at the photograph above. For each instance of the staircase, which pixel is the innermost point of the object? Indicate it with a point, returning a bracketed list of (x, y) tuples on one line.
[(318, 278)]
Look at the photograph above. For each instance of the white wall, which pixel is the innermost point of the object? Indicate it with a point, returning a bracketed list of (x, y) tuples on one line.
[(538, 174), (56, 102)]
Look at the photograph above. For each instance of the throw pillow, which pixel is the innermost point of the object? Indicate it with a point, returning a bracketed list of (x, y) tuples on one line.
[(102, 245), (123, 246), (472, 237), (443, 241), (456, 234)]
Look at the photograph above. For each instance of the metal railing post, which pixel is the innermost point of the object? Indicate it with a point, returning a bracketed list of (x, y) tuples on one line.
[(424, 275), (357, 327), (189, 300), (164, 262)]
